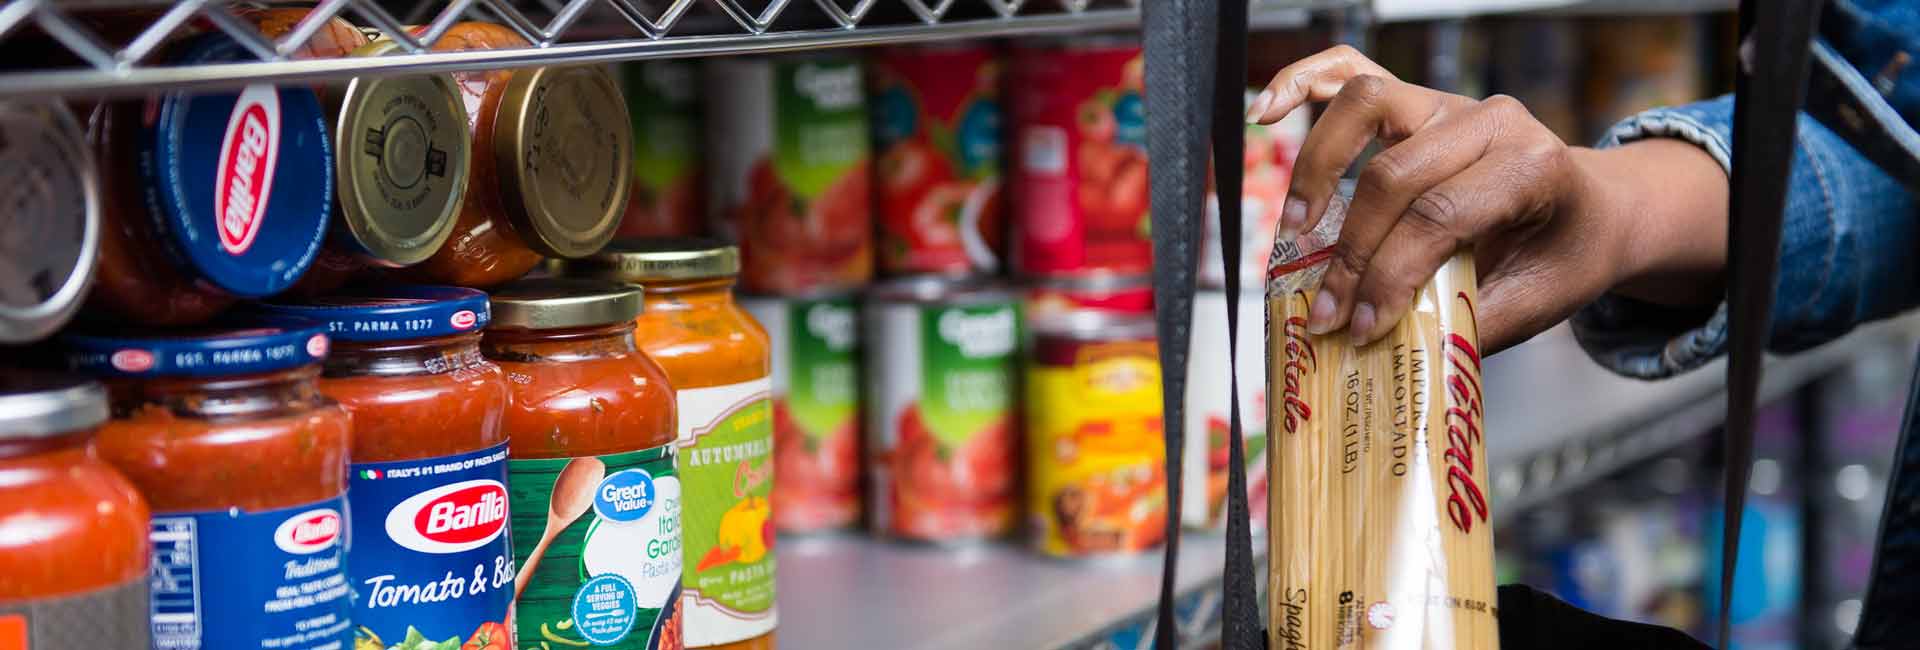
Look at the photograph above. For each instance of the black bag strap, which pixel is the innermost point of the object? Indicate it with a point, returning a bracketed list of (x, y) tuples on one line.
[(1242, 627), (1775, 49), (1891, 612)]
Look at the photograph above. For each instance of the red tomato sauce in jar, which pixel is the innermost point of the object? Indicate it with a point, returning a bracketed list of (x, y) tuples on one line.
[(596, 502), (226, 434), (429, 460), (73, 531)]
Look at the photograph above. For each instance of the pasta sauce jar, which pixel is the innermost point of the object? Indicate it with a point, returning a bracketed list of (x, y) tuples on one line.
[(62, 503), (429, 464), (716, 357), (225, 432), (595, 503), (209, 197)]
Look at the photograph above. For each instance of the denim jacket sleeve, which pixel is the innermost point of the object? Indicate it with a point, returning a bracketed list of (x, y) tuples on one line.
[(1850, 252)]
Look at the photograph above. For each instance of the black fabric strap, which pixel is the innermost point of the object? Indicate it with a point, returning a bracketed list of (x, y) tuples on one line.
[(1775, 38), (1241, 624), (1890, 616)]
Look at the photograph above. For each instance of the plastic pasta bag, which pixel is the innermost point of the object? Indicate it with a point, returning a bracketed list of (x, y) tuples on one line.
[(1379, 526)]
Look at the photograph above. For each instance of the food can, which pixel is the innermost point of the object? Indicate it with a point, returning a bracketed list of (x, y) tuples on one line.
[(1267, 172), (815, 343), (1054, 297), (1095, 451), (666, 197), (937, 130), (789, 179), (50, 231), (942, 436), (1080, 139), (1204, 476)]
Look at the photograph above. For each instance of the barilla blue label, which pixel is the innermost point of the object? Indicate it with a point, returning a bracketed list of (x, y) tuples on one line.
[(240, 183), (432, 559), (237, 580), (392, 313), (259, 344)]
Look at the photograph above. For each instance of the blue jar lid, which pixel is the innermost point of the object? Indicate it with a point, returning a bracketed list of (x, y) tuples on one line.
[(233, 347), (241, 182), (394, 313)]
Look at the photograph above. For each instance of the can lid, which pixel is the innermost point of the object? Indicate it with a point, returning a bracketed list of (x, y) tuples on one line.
[(641, 261), (391, 313), (559, 303), (1096, 325), (934, 288), (563, 143), (236, 346), (401, 153), (226, 162), (50, 228), (36, 404)]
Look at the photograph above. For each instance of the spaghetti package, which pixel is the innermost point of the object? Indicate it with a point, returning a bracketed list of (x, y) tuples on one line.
[(1378, 512)]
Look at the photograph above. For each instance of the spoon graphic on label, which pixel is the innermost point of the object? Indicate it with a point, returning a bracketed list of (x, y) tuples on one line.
[(572, 496)]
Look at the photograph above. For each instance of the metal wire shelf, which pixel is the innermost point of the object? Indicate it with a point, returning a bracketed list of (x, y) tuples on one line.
[(562, 31)]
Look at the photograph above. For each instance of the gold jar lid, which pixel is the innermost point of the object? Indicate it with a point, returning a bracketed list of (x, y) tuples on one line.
[(564, 146), (560, 303), (401, 150), (668, 259)]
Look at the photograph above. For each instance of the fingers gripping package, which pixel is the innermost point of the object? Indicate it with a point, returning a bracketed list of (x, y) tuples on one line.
[(1379, 521)]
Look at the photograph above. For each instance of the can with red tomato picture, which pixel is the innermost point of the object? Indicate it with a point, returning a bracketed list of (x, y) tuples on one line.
[(1268, 171), (1080, 159), (788, 170), (937, 136), (815, 345), (663, 103), (942, 434), (1055, 297)]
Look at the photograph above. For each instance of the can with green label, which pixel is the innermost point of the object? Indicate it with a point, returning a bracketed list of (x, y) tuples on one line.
[(943, 442), (815, 342), (663, 102)]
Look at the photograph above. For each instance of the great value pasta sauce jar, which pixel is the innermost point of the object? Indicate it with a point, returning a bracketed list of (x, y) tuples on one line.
[(716, 357), (431, 554), (595, 500), (1080, 158), (942, 431), (1095, 483), (937, 130), (64, 504), (211, 197), (225, 432), (814, 340), (789, 169)]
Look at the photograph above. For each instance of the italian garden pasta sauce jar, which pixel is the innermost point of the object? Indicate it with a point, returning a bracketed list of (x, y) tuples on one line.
[(431, 558), (595, 501), (716, 357), (73, 563), (225, 432)]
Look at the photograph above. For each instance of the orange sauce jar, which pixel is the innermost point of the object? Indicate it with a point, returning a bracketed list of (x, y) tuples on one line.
[(73, 531), (596, 500), (717, 358), (226, 433)]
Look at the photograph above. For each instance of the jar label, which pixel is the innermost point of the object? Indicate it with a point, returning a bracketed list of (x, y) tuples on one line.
[(431, 553), (726, 441), (237, 580), (115, 617), (599, 550)]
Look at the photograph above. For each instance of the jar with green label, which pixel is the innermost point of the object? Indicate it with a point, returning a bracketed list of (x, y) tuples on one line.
[(595, 498), (716, 356)]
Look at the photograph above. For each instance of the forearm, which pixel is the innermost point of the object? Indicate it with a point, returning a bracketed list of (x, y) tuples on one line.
[(1663, 202)]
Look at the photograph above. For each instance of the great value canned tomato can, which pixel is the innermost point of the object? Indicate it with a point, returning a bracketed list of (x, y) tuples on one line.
[(815, 343), (941, 428), (937, 129), (1080, 160)]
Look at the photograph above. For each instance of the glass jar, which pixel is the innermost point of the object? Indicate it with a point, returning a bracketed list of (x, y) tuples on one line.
[(590, 422), (428, 453), (716, 356), (552, 151), (194, 219), (50, 229), (226, 434), (73, 531)]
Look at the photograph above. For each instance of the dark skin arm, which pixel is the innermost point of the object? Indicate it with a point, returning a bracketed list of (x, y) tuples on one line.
[(1552, 226)]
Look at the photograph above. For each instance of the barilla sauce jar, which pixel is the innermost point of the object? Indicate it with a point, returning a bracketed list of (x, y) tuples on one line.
[(431, 552), (211, 197), (716, 357), (50, 229), (552, 153), (596, 502), (226, 433), (63, 503)]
